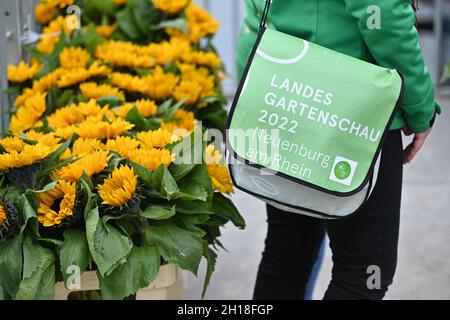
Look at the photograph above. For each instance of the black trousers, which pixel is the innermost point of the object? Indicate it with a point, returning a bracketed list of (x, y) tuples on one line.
[(364, 246)]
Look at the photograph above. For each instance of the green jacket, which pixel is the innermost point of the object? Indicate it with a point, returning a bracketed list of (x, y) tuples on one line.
[(342, 25)]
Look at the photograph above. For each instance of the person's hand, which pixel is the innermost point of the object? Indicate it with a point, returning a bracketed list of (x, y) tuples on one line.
[(413, 148)]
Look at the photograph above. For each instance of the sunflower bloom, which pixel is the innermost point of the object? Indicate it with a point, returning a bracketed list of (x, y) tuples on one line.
[(152, 158), (49, 139), (120, 2), (22, 72), (220, 178), (128, 82), (209, 59), (95, 129), (2, 214), (124, 146), (105, 30), (91, 90), (29, 155), (190, 91), (125, 54), (75, 76), (72, 58), (160, 84), (57, 204), (61, 3), (170, 6), (84, 146), (184, 120), (212, 155), (12, 144), (92, 163), (119, 187), (29, 114), (48, 81), (156, 139), (44, 13), (73, 114)]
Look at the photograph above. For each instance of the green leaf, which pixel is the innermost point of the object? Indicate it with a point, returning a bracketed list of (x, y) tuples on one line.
[(74, 252), (223, 207), (191, 190), (194, 207), (169, 186), (111, 101), (177, 245), (143, 14), (108, 246), (127, 26), (143, 173), (180, 24), (11, 265), (90, 39), (179, 171), (157, 177), (211, 258), (140, 269), (38, 281), (158, 212)]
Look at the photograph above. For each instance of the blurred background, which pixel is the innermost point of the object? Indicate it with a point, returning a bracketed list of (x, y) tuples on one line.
[(423, 270), (424, 254)]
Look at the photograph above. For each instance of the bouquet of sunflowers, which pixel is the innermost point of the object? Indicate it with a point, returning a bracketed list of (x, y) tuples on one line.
[(100, 169)]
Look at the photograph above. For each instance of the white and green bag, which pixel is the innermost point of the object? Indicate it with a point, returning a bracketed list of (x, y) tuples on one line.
[(307, 125)]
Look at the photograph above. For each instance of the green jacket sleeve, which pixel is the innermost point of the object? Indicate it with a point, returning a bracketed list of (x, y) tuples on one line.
[(394, 43)]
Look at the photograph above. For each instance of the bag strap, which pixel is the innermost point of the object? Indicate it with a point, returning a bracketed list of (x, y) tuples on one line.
[(265, 14)]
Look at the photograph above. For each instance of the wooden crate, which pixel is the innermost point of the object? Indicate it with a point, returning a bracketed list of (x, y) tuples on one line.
[(168, 285)]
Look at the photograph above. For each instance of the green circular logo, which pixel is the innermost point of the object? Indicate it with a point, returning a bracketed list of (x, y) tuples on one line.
[(342, 170)]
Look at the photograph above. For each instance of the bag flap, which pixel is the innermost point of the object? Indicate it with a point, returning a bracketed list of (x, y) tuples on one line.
[(312, 114)]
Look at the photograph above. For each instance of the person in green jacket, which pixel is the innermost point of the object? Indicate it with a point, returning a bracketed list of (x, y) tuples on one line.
[(364, 246)]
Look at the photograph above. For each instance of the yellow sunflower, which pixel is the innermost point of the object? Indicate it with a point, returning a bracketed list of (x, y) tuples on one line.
[(30, 154), (12, 144), (119, 187), (73, 114), (22, 72), (209, 59), (124, 54), (84, 146), (220, 178), (120, 2), (152, 158), (73, 57), (95, 129), (124, 146), (170, 6), (92, 163), (105, 30), (200, 24), (77, 75), (185, 120), (61, 3), (2, 215), (29, 114), (44, 13), (189, 91), (128, 82), (160, 85), (47, 139), (57, 204), (156, 139), (92, 90), (212, 155)]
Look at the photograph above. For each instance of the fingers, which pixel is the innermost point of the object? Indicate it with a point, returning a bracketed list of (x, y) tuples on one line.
[(413, 148)]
